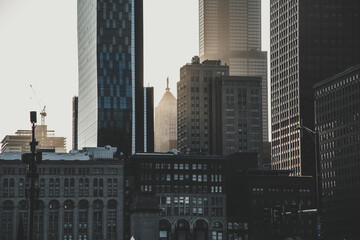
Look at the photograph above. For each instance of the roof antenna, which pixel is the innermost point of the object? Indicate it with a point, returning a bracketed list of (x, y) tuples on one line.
[(167, 84)]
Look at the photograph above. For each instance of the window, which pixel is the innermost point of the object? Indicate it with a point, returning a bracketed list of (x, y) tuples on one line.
[(194, 177)]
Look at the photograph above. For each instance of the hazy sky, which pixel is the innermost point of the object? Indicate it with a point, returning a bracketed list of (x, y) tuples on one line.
[(38, 47)]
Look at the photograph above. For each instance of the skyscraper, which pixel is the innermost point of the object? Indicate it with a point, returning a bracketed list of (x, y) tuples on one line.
[(110, 56), (75, 123), (148, 119), (310, 41), (197, 122), (166, 122), (240, 114), (337, 118), (230, 30)]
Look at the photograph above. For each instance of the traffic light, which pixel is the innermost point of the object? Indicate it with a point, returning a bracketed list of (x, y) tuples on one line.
[(277, 213), (38, 157), (294, 210), (26, 158), (267, 214)]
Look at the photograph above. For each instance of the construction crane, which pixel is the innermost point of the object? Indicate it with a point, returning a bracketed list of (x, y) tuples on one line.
[(43, 111)]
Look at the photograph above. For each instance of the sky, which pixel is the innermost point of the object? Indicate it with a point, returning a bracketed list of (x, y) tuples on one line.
[(38, 47)]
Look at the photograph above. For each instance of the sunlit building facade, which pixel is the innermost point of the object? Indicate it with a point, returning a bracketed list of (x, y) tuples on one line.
[(166, 122), (230, 30), (310, 41), (20, 142)]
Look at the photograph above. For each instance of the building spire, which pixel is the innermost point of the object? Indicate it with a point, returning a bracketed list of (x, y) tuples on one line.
[(167, 84)]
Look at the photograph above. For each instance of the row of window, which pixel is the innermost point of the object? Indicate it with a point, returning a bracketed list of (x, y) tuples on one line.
[(181, 189), (54, 186), (65, 171), (188, 211)]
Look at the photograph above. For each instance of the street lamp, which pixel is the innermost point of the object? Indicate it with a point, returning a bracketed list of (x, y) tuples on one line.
[(316, 139), (32, 159)]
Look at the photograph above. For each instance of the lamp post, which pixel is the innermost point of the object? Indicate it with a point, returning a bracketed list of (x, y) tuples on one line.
[(316, 139), (32, 159)]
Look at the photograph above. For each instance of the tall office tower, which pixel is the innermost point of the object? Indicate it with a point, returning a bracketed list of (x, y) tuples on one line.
[(196, 118), (75, 122), (337, 118), (148, 119), (310, 41), (110, 56), (166, 122), (240, 114), (230, 30)]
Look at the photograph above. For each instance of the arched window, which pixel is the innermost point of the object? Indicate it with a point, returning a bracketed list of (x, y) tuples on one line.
[(42, 187), (38, 219), (21, 187), (7, 218), (53, 220), (81, 187), (57, 187), (101, 182), (97, 220), (68, 219), (66, 187), (86, 189), (109, 187), (51, 187), (111, 220), (5, 187), (101, 187), (164, 229), (217, 231), (72, 185), (23, 216), (83, 219), (182, 229)]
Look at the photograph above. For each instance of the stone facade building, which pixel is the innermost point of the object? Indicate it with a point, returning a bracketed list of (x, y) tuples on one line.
[(190, 191), (80, 197)]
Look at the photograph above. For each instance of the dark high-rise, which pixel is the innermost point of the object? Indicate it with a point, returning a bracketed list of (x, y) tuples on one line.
[(149, 119), (75, 122), (337, 118), (310, 41), (110, 55), (241, 115), (230, 30)]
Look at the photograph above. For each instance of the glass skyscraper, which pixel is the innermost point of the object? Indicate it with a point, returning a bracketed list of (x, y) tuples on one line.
[(110, 58)]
